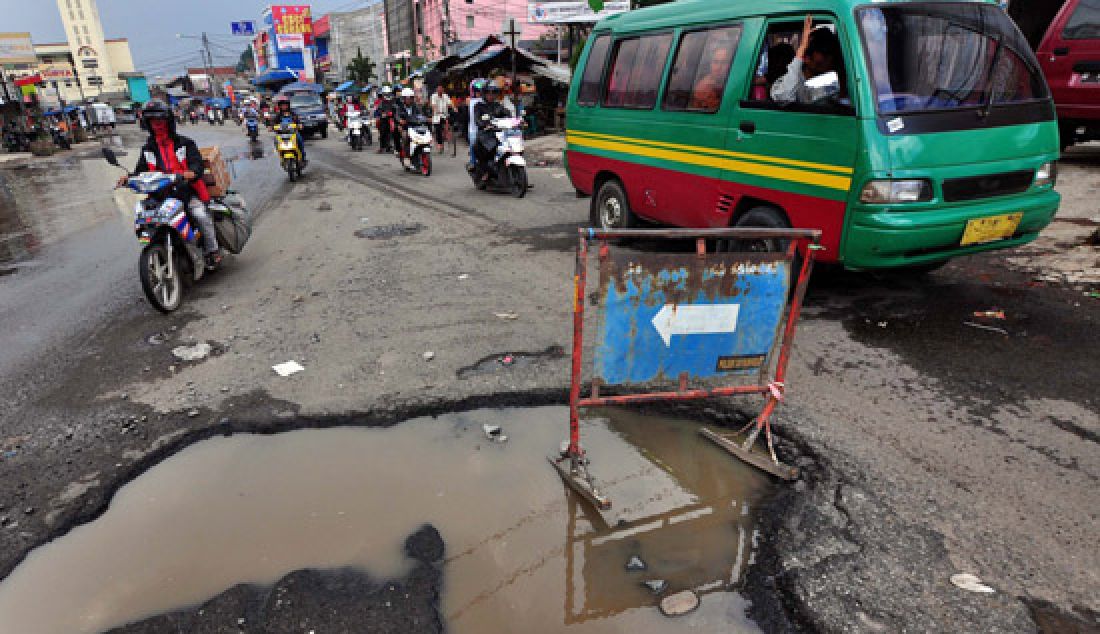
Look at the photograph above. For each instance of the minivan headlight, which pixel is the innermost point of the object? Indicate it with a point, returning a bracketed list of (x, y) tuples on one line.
[(1047, 174), (885, 191)]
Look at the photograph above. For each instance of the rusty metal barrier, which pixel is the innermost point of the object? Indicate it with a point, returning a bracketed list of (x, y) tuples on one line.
[(672, 325)]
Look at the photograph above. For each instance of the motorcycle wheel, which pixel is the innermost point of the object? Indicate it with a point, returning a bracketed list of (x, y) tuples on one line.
[(292, 170), (517, 177), (164, 292), (426, 164)]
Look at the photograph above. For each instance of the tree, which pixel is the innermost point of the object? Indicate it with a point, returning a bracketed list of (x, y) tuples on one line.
[(247, 63), (361, 69)]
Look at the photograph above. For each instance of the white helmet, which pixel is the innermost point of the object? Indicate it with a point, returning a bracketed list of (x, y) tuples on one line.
[(386, 90), (407, 92)]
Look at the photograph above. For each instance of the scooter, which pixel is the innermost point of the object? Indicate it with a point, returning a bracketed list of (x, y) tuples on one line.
[(290, 155), (252, 128), (357, 130), (419, 136), (508, 169), (171, 256), (219, 117)]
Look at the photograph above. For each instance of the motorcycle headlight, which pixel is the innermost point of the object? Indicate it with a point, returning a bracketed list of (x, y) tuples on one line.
[(1046, 175), (887, 191)]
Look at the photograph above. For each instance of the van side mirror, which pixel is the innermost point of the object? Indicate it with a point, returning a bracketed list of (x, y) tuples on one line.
[(109, 154)]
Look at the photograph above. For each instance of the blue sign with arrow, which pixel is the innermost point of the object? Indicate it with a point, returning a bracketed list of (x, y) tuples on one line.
[(678, 314), (245, 27)]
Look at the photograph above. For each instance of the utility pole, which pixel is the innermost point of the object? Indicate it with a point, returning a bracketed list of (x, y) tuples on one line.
[(76, 78), (208, 61), (512, 30), (446, 28)]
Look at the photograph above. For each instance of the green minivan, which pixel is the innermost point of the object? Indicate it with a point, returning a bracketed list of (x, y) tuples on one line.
[(908, 132)]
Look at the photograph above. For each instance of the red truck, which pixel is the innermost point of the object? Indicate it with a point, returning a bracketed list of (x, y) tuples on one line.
[(1068, 48)]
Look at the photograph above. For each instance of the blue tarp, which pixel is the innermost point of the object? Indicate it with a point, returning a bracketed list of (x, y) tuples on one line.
[(274, 77), (218, 102), (51, 113), (345, 87)]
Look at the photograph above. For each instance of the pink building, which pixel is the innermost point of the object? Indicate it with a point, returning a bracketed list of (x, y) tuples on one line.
[(471, 20)]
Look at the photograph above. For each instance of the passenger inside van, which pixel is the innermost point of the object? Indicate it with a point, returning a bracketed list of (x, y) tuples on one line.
[(779, 59), (707, 95), (807, 80)]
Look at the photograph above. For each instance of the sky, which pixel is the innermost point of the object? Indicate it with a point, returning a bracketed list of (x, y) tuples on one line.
[(152, 25)]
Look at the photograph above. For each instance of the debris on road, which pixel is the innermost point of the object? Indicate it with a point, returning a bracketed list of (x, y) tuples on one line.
[(493, 433), (635, 562), (507, 360), (984, 327), (385, 232), (508, 316), (324, 207), (288, 368), (971, 583), (428, 356), (990, 314), (464, 276), (680, 603), (656, 586), (197, 352), (193, 413)]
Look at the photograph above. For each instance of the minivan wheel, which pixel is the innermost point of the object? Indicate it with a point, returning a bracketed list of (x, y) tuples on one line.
[(610, 207), (762, 217)]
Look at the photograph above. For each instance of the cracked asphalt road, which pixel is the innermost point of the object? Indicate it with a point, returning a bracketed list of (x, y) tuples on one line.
[(930, 446)]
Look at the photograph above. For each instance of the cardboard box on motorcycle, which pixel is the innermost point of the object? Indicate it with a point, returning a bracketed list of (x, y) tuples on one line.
[(217, 171), (231, 216)]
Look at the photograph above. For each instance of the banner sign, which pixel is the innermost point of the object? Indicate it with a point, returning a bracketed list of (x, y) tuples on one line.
[(571, 11), (290, 41), (245, 27), (16, 48), (292, 20)]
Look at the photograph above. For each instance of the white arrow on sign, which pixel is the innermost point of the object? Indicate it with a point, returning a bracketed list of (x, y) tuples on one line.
[(695, 319)]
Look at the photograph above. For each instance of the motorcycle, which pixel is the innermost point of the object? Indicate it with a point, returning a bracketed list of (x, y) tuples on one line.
[(508, 169), (357, 130), (252, 128), (171, 256), (60, 138), (17, 141), (419, 136), (290, 155), (219, 117)]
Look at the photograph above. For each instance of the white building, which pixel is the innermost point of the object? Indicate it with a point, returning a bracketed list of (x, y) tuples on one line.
[(98, 60), (354, 30)]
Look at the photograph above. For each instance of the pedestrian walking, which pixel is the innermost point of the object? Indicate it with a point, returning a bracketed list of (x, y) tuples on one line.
[(441, 106)]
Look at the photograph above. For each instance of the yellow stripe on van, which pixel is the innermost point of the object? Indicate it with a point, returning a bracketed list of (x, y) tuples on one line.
[(839, 169), (692, 157)]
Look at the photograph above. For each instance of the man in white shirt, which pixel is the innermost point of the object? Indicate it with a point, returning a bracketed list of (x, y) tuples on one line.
[(441, 106), (818, 54)]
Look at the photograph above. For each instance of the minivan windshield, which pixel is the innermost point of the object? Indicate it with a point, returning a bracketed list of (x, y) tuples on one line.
[(305, 100), (947, 56)]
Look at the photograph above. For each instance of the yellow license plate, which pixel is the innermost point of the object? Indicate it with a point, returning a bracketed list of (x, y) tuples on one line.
[(990, 228)]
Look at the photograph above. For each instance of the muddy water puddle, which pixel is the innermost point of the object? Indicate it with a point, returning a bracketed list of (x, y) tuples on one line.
[(519, 549)]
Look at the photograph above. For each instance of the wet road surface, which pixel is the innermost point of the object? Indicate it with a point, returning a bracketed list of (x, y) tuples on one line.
[(930, 446)]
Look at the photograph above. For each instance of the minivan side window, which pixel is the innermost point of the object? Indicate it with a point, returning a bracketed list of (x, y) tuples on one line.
[(589, 94), (1084, 24), (700, 69), (636, 67), (825, 93)]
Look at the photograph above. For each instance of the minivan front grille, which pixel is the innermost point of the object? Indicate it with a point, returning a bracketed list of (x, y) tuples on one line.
[(987, 185)]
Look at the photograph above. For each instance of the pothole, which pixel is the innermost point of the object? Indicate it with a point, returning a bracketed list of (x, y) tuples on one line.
[(385, 232), (508, 361), (519, 547)]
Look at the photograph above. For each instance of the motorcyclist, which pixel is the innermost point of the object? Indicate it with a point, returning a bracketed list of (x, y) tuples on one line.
[(407, 110), (350, 105), (171, 153), (476, 87), (484, 113), (384, 114), (283, 114)]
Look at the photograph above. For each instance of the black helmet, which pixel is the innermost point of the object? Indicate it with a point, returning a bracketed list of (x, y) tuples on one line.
[(157, 109)]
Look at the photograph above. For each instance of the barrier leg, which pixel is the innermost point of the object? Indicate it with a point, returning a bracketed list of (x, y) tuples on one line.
[(576, 475)]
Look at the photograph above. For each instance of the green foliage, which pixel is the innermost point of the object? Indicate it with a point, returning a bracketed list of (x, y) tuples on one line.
[(246, 63), (361, 69)]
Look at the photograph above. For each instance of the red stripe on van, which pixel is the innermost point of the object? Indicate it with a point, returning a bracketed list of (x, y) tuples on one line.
[(684, 199)]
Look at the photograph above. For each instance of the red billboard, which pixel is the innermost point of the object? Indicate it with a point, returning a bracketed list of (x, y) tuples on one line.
[(292, 20), (321, 27)]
